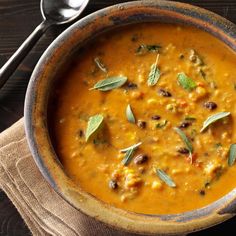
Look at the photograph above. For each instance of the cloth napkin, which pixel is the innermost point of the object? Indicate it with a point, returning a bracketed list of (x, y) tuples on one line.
[(42, 209)]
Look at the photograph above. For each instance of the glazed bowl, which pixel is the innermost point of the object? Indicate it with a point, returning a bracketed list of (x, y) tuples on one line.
[(38, 96)]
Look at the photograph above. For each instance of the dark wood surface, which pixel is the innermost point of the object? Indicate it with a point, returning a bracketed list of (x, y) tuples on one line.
[(18, 18)]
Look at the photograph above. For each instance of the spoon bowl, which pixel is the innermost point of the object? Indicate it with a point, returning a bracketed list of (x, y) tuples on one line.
[(54, 12), (62, 11)]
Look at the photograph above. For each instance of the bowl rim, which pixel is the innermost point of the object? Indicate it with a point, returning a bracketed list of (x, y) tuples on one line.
[(37, 131)]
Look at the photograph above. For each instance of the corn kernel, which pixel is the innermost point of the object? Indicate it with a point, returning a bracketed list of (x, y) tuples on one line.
[(152, 101), (156, 185), (176, 171), (201, 91)]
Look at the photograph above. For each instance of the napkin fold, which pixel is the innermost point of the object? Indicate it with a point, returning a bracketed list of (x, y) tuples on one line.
[(42, 209)]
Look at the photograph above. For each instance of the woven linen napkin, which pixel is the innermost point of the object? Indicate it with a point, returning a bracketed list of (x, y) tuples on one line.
[(42, 209)]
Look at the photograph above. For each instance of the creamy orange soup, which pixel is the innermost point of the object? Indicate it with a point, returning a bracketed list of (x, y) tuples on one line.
[(167, 95)]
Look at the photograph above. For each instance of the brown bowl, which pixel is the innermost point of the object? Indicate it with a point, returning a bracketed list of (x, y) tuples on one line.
[(36, 108)]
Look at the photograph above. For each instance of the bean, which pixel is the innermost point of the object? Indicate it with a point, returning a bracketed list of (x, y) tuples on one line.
[(156, 117), (184, 125), (113, 184), (140, 159), (81, 133), (142, 124), (202, 192), (131, 85), (210, 105), (164, 93), (183, 151)]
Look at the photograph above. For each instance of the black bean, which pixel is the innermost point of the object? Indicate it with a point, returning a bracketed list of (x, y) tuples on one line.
[(113, 184), (202, 192), (156, 117), (140, 159), (210, 105), (81, 133), (164, 93), (131, 86), (185, 124), (142, 124), (183, 150)]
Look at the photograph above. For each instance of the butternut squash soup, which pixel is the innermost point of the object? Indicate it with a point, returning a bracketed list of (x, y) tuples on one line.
[(144, 118)]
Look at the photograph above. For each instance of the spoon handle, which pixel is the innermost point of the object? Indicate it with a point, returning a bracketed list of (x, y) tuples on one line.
[(10, 66)]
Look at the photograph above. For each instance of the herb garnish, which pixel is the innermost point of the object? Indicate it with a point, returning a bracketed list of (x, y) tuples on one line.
[(186, 82), (142, 49), (130, 114), (154, 74), (217, 145), (161, 124), (232, 154), (94, 124), (110, 83), (128, 156), (165, 178), (190, 118), (100, 64), (135, 146), (129, 153), (212, 119), (186, 141)]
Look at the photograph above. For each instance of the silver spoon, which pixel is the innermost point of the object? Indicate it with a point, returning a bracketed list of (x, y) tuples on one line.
[(54, 12)]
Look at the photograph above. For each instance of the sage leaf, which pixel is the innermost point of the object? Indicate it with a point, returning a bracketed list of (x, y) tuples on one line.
[(143, 49), (154, 74), (128, 156), (186, 82), (110, 83), (165, 178), (135, 146), (212, 119), (185, 139), (130, 114), (232, 154), (161, 124), (94, 124), (100, 64)]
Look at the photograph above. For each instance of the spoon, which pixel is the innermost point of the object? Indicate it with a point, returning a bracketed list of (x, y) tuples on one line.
[(54, 12)]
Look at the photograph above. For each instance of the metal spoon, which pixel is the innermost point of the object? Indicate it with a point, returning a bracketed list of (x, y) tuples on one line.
[(54, 12)]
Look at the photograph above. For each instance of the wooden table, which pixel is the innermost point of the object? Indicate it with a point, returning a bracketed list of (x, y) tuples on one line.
[(18, 18)]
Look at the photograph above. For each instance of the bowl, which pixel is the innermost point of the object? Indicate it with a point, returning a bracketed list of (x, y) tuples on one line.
[(36, 108)]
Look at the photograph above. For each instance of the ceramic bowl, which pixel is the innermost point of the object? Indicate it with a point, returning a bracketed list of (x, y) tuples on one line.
[(36, 108)]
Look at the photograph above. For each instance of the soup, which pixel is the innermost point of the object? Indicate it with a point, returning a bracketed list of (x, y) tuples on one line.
[(144, 118)]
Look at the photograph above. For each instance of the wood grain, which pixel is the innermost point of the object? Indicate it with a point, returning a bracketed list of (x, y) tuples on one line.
[(18, 18)]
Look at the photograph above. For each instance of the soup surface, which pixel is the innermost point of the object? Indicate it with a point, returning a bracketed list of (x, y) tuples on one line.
[(169, 90)]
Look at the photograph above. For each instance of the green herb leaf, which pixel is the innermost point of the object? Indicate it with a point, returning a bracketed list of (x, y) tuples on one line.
[(142, 49), (128, 156), (186, 82), (110, 83), (218, 145), (130, 114), (154, 74), (203, 74), (165, 178), (135, 146), (161, 124), (212, 119), (232, 154), (190, 118), (100, 64), (185, 139), (94, 124)]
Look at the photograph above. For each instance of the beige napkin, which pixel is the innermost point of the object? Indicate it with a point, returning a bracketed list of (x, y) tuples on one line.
[(43, 210)]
